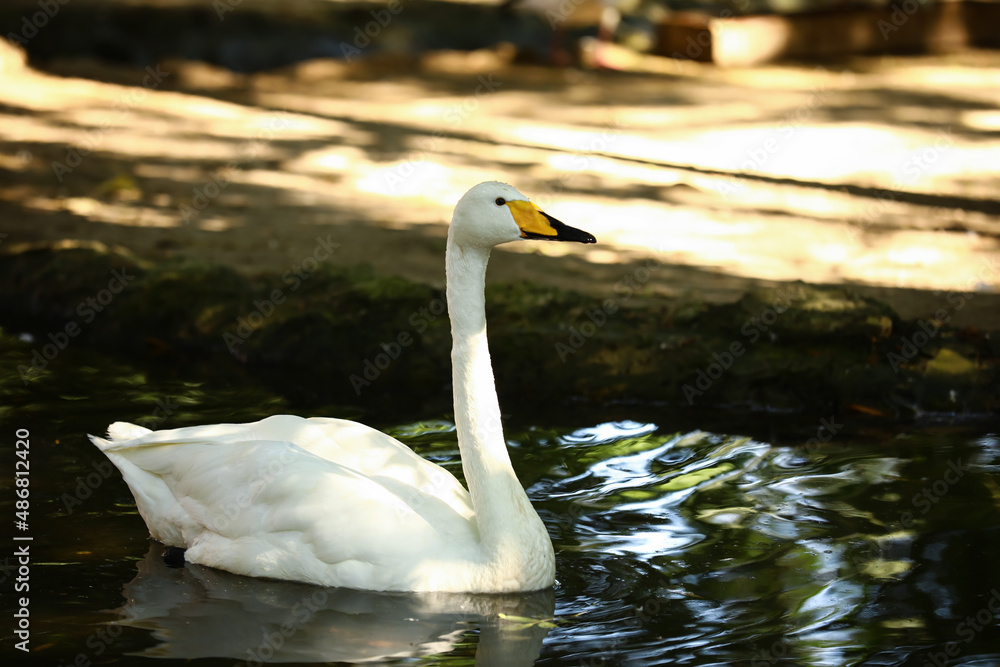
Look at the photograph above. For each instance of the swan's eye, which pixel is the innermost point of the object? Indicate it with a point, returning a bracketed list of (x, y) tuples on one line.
[(500, 201)]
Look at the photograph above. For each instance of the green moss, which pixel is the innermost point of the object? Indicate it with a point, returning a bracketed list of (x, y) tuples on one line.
[(352, 336), (950, 362)]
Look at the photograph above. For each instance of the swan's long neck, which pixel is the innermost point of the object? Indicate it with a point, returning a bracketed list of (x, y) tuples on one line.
[(509, 527)]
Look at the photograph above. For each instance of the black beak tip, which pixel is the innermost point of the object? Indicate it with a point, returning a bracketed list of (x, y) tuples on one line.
[(566, 233)]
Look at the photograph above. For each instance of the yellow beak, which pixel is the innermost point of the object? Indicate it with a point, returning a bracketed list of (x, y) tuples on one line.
[(537, 224)]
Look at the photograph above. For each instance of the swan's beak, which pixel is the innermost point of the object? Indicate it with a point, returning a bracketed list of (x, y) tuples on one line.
[(537, 224)]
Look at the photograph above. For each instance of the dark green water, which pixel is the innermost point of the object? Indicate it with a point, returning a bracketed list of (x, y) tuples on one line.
[(674, 546)]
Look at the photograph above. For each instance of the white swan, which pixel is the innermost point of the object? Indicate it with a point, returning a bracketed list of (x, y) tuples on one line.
[(336, 503)]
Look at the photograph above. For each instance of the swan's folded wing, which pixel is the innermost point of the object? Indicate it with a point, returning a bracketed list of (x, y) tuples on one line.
[(347, 443), (382, 457), (271, 508)]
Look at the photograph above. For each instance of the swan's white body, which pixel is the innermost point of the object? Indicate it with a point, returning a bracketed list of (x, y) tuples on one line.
[(336, 503)]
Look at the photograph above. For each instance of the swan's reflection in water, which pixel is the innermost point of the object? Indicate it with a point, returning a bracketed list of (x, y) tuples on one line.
[(199, 612)]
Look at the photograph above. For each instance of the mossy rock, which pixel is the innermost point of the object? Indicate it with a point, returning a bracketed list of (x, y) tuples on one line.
[(802, 311), (54, 284), (182, 302), (352, 336)]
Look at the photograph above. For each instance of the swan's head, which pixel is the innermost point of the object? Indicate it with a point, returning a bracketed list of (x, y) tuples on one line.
[(492, 213)]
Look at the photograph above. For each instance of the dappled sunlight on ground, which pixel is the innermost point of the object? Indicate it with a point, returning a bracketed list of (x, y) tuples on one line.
[(883, 176)]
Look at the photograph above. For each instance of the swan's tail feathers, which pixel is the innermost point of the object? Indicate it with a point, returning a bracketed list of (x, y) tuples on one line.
[(118, 433), (125, 431), (155, 501)]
